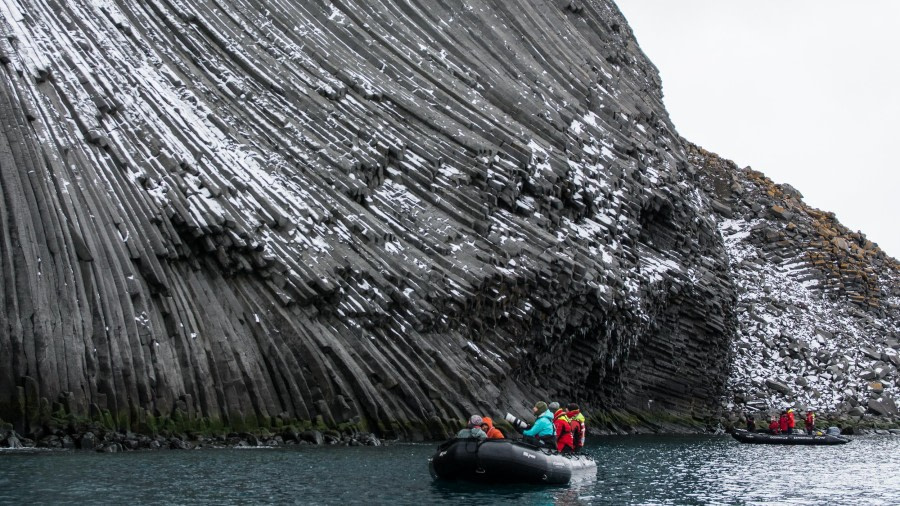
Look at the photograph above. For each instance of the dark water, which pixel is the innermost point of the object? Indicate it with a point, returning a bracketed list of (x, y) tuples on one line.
[(631, 470)]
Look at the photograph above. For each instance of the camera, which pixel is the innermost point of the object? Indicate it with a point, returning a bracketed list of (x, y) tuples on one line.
[(516, 422)]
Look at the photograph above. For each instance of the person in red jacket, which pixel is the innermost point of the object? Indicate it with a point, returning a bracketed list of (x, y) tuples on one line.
[(791, 422), (810, 422), (773, 425), (783, 422), (563, 426)]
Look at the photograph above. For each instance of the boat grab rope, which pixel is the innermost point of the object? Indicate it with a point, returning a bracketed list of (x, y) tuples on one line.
[(471, 441)]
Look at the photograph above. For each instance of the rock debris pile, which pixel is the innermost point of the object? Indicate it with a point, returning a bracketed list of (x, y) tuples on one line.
[(818, 305)]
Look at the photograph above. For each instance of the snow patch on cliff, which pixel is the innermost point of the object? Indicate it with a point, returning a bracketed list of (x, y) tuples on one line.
[(795, 346)]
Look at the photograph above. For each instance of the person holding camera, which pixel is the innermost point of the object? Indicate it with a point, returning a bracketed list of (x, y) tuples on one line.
[(541, 432)]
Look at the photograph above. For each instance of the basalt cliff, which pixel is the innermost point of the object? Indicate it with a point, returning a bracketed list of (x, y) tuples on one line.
[(383, 215)]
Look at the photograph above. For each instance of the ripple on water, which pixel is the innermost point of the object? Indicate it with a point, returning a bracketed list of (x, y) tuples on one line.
[(631, 470)]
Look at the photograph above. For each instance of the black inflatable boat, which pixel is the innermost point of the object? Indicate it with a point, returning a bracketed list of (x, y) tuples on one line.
[(506, 461), (788, 439)]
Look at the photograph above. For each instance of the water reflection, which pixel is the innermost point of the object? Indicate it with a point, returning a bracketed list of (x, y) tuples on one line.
[(709, 470), (631, 470), (580, 491)]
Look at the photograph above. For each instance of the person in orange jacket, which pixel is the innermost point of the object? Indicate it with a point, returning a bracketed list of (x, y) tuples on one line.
[(791, 422), (487, 425), (810, 422), (564, 441), (783, 422)]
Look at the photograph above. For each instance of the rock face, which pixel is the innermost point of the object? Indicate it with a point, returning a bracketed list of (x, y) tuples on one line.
[(818, 306), (383, 213)]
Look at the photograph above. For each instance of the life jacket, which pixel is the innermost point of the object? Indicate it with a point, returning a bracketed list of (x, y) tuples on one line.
[(790, 417), (577, 423), (810, 420), (563, 430)]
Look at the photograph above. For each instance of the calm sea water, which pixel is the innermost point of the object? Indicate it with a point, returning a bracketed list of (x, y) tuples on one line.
[(631, 470)]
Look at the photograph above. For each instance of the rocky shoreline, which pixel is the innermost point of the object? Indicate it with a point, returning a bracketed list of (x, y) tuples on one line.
[(619, 424), (105, 441), (850, 426), (99, 439)]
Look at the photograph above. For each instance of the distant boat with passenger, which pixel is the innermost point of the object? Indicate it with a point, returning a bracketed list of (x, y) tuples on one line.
[(830, 437)]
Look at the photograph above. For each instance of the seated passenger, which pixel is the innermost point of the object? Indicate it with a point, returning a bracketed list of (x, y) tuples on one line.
[(487, 425), (810, 422), (578, 427), (541, 432), (774, 427), (783, 423), (563, 428), (473, 429)]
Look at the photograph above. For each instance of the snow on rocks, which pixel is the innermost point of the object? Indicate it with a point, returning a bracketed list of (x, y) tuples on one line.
[(811, 333)]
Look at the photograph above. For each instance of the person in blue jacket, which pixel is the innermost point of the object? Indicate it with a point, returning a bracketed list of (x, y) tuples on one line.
[(541, 432)]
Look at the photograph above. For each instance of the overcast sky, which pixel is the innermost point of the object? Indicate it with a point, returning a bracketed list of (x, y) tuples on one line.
[(805, 91)]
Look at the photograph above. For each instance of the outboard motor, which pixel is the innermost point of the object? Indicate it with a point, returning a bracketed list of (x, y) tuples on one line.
[(833, 431)]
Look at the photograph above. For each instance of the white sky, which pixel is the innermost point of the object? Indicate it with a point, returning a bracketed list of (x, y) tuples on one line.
[(805, 91)]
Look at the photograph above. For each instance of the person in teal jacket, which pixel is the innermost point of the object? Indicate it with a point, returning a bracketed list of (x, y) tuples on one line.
[(542, 432)]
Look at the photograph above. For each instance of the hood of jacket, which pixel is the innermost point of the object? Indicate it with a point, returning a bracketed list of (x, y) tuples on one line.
[(560, 413), (488, 421)]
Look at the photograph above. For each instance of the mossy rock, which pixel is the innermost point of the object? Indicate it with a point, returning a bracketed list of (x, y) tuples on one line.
[(107, 420)]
